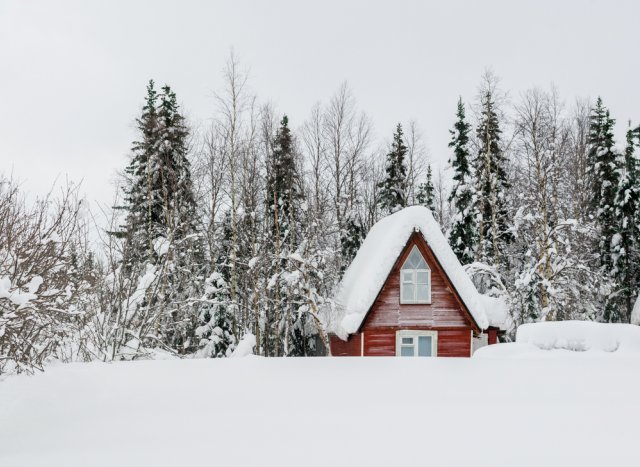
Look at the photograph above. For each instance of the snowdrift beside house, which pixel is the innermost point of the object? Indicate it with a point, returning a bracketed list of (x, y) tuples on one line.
[(553, 338), (366, 275), (314, 412)]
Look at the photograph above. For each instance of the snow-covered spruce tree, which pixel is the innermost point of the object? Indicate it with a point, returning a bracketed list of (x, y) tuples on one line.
[(492, 183), (605, 166), (626, 241), (216, 331), (352, 236), (183, 269), (426, 192), (142, 217), (393, 187), (162, 250), (463, 233), (284, 198), (283, 189)]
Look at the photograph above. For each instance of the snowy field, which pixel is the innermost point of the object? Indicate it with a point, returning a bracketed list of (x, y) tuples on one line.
[(573, 410)]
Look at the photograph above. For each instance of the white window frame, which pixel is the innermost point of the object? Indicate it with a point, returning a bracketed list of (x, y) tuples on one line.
[(415, 335), (414, 281)]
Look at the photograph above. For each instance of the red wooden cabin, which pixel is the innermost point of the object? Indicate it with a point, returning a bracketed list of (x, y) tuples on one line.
[(420, 304)]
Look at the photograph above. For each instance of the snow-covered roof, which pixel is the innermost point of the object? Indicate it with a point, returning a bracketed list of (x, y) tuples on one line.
[(366, 275), (497, 311)]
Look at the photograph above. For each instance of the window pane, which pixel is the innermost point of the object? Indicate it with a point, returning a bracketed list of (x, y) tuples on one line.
[(415, 260), (423, 293), (407, 293), (406, 351), (407, 276), (407, 340), (424, 346), (423, 277)]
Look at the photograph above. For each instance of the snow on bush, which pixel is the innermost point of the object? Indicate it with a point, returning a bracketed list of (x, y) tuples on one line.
[(161, 246), (245, 346)]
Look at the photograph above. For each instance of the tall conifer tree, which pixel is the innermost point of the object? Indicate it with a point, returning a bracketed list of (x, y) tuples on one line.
[(140, 217), (605, 167), (284, 199), (160, 226), (463, 233), (626, 241), (393, 193), (284, 193), (492, 182)]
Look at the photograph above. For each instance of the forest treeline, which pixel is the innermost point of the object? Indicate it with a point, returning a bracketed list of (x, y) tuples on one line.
[(245, 227)]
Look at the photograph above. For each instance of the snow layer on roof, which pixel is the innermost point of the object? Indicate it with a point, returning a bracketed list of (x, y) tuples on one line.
[(367, 273), (497, 311)]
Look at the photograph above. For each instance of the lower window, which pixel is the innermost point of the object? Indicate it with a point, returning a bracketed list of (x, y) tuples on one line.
[(416, 343)]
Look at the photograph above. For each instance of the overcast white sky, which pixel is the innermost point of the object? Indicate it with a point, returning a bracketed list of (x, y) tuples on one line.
[(72, 73)]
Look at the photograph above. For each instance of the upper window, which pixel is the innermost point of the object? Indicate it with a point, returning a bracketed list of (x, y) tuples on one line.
[(415, 279)]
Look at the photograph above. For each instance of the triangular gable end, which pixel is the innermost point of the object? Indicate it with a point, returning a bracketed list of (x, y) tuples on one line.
[(417, 239)]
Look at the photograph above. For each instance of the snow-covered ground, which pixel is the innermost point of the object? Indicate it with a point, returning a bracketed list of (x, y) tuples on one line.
[(326, 412)]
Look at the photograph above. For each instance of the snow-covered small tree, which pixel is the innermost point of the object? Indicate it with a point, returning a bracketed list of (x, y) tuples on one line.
[(393, 195), (426, 191), (352, 237), (463, 234), (215, 331)]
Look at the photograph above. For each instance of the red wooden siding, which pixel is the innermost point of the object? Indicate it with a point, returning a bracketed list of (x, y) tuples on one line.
[(380, 343), (350, 347), (454, 343), (451, 342)]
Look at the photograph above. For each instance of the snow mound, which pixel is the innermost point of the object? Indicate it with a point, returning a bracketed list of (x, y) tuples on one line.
[(570, 338), (367, 273), (581, 336), (510, 350)]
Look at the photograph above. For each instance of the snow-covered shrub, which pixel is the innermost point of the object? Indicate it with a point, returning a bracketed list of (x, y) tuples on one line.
[(45, 274)]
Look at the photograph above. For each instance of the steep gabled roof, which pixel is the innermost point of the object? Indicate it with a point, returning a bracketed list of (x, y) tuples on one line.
[(379, 252)]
